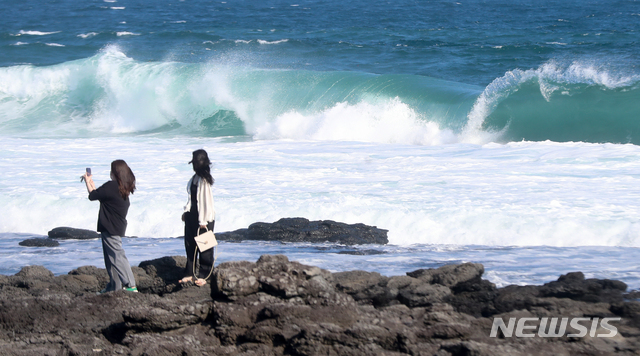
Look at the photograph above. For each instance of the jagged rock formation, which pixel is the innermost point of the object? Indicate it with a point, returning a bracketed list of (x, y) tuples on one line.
[(278, 307), (303, 230), (65, 233), (39, 242)]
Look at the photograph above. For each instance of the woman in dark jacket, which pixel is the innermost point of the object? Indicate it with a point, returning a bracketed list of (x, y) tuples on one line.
[(112, 223), (198, 216)]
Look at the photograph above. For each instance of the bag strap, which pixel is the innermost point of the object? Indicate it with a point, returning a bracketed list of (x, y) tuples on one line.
[(215, 257)]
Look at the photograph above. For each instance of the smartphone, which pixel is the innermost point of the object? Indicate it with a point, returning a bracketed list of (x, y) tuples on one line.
[(88, 171)]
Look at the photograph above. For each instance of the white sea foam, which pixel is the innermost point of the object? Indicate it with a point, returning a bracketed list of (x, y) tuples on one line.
[(117, 8), (142, 91), (55, 45), (20, 43), (36, 33), (126, 33), (387, 122), (525, 194), (263, 42), (126, 89), (24, 88), (88, 35)]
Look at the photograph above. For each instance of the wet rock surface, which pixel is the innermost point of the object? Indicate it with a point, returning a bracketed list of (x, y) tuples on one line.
[(66, 233), (279, 307), (303, 230), (39, 242)]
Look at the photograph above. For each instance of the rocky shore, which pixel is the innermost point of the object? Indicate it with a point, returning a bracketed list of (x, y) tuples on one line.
[(278, 307)]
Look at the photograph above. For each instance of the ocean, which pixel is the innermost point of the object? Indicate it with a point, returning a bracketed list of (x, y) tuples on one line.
[(500, 132)]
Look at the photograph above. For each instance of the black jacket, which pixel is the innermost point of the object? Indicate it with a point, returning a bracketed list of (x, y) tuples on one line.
[(113, 209)]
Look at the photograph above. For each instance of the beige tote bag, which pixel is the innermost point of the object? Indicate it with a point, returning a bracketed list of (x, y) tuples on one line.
[(206, 240)]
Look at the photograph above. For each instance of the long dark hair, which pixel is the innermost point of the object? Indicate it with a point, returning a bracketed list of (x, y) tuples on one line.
[(124, 176), (202, 165)]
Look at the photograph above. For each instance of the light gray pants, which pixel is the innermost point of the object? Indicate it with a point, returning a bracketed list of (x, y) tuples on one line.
[(116, 262)]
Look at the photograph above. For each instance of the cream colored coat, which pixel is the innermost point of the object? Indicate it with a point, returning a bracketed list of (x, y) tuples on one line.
[(206, 211)]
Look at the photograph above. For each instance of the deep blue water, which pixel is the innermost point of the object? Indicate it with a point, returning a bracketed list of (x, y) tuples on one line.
[(470, 42)]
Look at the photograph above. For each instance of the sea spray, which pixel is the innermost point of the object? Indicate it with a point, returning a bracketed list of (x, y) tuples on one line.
[(554, 194), (388, 122), (113, 94)]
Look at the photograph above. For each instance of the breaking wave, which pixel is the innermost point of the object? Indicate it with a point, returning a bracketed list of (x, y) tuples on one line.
[(112, 94)]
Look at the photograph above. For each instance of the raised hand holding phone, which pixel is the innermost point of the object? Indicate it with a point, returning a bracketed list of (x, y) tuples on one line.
[(86, 177)]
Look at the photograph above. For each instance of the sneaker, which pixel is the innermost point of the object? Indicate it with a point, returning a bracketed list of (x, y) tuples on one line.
[(131, 289), (102, 291)]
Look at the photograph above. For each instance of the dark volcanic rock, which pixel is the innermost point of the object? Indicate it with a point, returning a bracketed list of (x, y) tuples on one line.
[(449, 275), (64, 233), (576, 287), (232, 236), (39, 242), (161, 275), (634, 294), (278, 307), (70, 233), (303, 230)]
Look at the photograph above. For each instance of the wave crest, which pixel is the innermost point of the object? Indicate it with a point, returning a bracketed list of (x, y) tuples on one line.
[(391, 121), (113, 94), (578, 102)]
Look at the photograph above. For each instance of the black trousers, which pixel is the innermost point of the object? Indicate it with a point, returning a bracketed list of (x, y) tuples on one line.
[(191, 227)]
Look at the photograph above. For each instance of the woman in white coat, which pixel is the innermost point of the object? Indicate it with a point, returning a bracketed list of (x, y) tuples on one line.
[(199, 215)]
